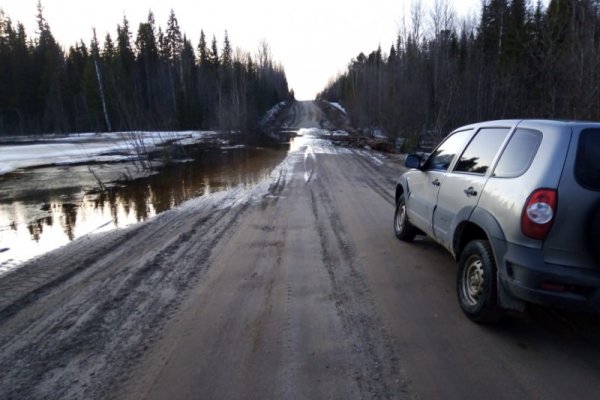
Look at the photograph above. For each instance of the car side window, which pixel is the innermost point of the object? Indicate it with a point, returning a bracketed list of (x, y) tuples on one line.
[(445, 153), (587, 166), (519, 153), (479, 154)]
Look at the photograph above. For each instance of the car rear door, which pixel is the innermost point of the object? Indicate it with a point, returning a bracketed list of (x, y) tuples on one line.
[(574, 239), (460, 192)]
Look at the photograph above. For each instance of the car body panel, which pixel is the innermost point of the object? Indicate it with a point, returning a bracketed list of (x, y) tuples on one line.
[(422, 197), (506, 197), (454, 204)]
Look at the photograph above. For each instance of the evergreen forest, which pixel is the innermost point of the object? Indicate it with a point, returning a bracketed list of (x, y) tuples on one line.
[(516, 59), (154, 79)]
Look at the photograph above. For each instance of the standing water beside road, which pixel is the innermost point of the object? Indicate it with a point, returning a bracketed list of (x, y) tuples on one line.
[(44, 208)]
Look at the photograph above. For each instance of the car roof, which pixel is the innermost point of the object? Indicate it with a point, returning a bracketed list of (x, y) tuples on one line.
[(530, 122)]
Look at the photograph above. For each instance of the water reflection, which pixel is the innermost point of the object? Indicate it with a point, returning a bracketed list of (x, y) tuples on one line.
[(36, 228), (31, 227)]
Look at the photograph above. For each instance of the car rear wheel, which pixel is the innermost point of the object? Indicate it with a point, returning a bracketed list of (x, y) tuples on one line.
[(402, 227), (477, 283)]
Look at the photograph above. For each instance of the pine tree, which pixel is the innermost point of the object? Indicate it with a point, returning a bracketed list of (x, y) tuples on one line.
[(49, 62), (213, 56), (19, 103), (226, 59), (147, 62), (124, 51), (174, 41), (90, 93), (76, 105), (123, 78), (163, 46), (203, 50), (188, 100), (108, 50)]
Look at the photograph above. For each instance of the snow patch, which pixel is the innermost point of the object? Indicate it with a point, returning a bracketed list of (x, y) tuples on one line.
[(376, 160), (270, 115), (339, 107), (237, 146), (378, 133), (34, 151), (369, 154), (340, 133)]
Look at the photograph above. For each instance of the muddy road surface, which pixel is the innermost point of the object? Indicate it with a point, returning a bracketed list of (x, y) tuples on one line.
[(294, 289)]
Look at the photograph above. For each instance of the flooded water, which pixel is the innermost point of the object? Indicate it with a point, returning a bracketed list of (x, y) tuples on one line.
[(44, 208)]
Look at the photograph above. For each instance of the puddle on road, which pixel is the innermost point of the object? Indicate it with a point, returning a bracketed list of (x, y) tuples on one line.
[(36, 217), (317, 141)]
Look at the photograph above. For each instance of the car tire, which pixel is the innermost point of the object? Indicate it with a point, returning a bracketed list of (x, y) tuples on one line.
[(477, 283), (402, 227)]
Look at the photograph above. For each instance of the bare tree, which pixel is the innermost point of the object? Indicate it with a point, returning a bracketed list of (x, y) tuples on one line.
[(416, 19), (442, 17), (95, 55)]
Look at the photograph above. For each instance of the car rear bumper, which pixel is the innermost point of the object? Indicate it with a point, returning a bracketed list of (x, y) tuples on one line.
[(526, 276)]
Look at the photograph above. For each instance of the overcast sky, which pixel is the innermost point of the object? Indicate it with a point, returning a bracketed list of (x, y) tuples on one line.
[(313, 39)]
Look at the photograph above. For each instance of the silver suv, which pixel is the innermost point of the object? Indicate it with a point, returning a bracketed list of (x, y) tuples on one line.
[(517, 203)]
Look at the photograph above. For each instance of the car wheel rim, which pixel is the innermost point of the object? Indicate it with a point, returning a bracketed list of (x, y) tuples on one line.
[(473, 280), (401, 218)]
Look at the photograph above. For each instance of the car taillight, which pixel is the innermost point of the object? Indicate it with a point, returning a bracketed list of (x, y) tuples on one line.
[(538, 213)]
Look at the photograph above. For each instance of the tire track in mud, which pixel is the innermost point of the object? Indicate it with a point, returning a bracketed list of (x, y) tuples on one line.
[(377, 371), (32, 292), (46, 273), (276, 188), (73, 353), (270, 259), (376, 185), (68, 264)]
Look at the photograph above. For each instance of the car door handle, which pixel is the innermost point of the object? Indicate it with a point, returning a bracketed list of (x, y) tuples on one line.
[(470, 192), (436, 182)]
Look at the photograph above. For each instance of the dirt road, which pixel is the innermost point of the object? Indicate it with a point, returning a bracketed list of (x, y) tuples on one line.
[(295, 289)]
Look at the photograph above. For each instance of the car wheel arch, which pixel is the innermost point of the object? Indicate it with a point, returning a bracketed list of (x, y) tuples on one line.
[(467, 232), (481, 224), (399, 192)]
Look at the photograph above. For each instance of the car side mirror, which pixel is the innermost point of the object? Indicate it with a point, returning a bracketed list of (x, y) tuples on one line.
[(413, 161)]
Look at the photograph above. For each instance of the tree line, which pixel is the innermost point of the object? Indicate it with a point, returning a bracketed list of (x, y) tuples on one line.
[(516, 60), (155, 81)]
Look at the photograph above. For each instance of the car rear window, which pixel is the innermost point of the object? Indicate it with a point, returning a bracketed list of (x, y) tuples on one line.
[(519, 153), (587, 166)]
